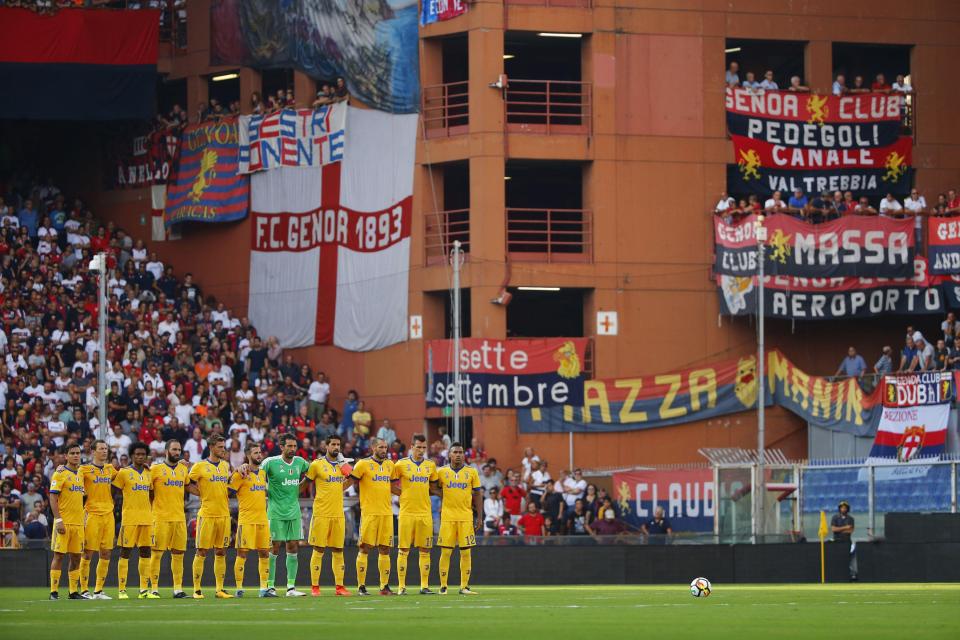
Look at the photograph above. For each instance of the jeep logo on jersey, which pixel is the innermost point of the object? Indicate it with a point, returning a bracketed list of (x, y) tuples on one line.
[(456, 485), (381, 478), (290, 482)]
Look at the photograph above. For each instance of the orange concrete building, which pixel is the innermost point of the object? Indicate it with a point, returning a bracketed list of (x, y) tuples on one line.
[(604, 194)]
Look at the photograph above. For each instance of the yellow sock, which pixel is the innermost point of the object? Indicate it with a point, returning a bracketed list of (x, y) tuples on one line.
[(103, 568), (444, 565), (466, 564), (402, 556), (144, 566), (263, 564), (239, 564), (54, 580), (122, 568), (316, 562), (383, 564), (197, 571), (73, 578), (176, 568), (336, 561), (424, 570), (361, 568), (155, 557), (219, 570), (84, 573)]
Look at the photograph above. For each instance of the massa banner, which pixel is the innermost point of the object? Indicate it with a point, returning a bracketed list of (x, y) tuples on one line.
[(850, 246), (506, 373)]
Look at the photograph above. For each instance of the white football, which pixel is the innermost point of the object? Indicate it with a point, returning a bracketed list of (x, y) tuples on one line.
[(700, 588)]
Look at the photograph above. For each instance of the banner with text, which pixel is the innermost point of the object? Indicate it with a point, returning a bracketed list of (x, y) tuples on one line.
[(943, 245), (915, 389), (208, 186), (439, 10), (910, 434), (797, 298), (292, 138), (653, 401), (850, 246), (506, 373), (142, 159), (688, 497)]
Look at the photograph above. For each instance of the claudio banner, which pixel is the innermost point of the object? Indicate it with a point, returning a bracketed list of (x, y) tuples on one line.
[(506, 373), (208, 186), (688, 497)]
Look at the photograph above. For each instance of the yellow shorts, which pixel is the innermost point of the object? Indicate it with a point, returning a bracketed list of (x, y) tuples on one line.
[(170, 535), (456, 533), (253, 536), (136, 535), (71, 541), (98, 531), (415, 531), (326, 532), (213, 533), (376, 531)]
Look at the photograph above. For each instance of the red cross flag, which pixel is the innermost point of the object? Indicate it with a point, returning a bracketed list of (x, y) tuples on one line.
[(607, 323)]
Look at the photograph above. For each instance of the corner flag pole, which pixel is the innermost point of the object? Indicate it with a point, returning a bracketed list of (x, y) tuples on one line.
[(822, 532)]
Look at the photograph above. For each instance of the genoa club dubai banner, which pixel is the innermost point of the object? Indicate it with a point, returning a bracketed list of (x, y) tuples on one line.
[(292, 138), (943, 245), (208, 186), (850, 246), (833, 298), (78, 64), (144, 159), (506, 373), (710, 391), (921, 388), (330, 244), (688, 497), (440, 10)]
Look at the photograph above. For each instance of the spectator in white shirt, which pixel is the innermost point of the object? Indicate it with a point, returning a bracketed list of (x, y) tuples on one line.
[(537, 480), (733, 77), (768, 84), (775, 203), (386, 432), (750, 83), (890, 205), (317, 395), (155, 266), (195, 446), (119, 442), (901, 85), (839, 85), (241, 428), (492, 512), (725, 203)]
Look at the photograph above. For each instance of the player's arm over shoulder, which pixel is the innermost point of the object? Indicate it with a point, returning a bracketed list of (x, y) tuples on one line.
[(359, 469)]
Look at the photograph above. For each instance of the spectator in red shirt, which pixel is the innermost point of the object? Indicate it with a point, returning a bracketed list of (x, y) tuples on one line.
[(531, 523), (880, 84), (953, 202), (512, 496)]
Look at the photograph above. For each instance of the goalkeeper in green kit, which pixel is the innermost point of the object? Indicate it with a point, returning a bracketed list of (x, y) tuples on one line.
[(284, 473)]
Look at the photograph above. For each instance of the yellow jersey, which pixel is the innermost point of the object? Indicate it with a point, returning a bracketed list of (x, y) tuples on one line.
[(136, 487), (458, 487), (69, 489), (168, 485), (212, 480), (96, 485), (415, 482), (328, 498), (375, 479), (251, 496)]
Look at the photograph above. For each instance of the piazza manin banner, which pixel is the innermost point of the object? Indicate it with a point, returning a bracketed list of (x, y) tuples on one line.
[(850, 246), (506, 373)]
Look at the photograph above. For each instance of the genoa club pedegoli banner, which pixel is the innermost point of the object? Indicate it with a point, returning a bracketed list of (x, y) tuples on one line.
[(943, 245), (506, 373), (208, 186), (292, 138), (688, 497), (849, 246), (78, 64), (330, 244)]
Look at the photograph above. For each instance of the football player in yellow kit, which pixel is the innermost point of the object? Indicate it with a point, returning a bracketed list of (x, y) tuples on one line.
[(459, 516), (98, 525), (66, 502), (209, 479), (412, 477), (136, 522), (372, 477), (327, 525), (253, 529), (169, 520)]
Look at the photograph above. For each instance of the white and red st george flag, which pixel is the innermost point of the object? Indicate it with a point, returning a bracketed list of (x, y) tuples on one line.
[(330, 245)]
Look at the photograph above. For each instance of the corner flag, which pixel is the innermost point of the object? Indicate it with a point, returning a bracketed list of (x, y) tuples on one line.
[(822, 532)]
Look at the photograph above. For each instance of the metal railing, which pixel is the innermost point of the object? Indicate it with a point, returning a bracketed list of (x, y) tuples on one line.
[(560, 4), (550, 235), (441, 229), (548, 106), (445, 109)]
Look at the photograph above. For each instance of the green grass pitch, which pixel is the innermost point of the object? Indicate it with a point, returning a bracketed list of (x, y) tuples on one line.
[(500, 613)]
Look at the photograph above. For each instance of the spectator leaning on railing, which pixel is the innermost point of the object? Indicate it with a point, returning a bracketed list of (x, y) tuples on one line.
[(852, 365)]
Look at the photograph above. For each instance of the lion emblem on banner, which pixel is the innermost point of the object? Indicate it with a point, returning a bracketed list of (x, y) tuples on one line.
[(780, 243), (911, 443), (817, 108), (206, 175), (896, 166), (749, 162), (746, 385), (568, 359)]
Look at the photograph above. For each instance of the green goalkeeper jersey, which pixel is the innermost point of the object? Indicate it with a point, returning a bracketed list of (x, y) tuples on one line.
[(283, 486)]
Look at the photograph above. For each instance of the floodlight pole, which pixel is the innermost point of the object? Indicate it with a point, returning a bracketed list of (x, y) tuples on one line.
[(101, 271), (759, 493), (455, 256)]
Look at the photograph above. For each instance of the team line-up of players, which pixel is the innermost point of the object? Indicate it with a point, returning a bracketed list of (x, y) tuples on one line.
[(153, 518)]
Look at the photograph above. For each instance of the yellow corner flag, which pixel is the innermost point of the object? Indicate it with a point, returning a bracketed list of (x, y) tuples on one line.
[(822, 532)]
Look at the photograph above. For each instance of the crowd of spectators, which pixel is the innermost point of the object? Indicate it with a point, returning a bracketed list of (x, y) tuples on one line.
[(935, 351), (838, 88)]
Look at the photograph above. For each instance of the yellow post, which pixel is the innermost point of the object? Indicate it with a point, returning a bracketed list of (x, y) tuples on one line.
[(822, 532)]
